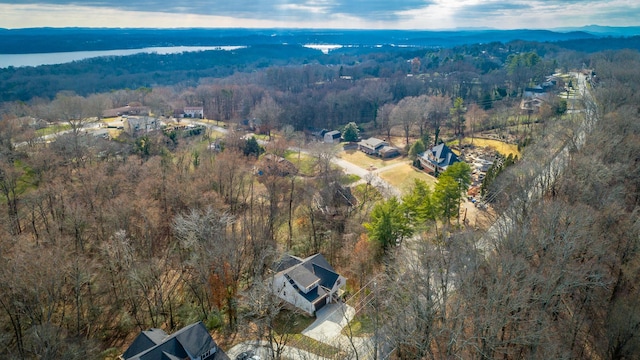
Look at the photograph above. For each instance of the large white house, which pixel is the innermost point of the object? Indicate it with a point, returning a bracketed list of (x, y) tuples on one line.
[(194, 112), (308, 284)]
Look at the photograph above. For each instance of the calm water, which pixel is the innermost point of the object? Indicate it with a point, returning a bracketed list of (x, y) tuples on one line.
[(18, 60)]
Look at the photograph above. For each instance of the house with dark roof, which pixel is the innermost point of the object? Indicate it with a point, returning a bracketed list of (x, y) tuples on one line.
[(192, 342), (308, 284), (437, 159), (331, 137)]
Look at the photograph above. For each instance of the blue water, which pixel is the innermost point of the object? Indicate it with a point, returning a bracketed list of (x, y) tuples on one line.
[(19, 60)]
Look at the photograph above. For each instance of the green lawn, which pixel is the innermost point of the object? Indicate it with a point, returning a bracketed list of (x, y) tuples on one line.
[(404, 176), (361, 325), (304, 163), (365, 161), (500, 146), (55, 128), (291, 325)]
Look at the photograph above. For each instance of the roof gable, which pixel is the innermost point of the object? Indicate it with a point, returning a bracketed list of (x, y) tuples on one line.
[(189, 342), (304, 278), (307, 273), (286, 262), (144, 341), (440, 155), (373, 143)]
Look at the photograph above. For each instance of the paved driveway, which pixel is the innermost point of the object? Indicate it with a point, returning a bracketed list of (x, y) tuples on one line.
[(329, 322), (327, 328)]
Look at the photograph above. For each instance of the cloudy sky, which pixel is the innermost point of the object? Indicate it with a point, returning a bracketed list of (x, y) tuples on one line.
[(377, 14)]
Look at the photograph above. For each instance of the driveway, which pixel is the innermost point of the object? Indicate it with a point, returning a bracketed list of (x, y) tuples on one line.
[(330, 320), (261, 348), (368, 176)]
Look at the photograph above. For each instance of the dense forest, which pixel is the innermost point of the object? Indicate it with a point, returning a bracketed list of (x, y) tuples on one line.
[(101, 238)]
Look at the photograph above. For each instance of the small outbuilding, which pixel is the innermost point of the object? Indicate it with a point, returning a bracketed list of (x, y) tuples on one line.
[(332, 137), (388, 152)]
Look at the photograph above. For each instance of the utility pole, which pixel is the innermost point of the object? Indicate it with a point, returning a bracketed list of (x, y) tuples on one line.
[(375, 321)]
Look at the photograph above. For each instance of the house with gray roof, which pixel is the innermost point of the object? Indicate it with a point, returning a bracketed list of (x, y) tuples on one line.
[(437, 159), (308, 284), (372, 145), (192, 342)]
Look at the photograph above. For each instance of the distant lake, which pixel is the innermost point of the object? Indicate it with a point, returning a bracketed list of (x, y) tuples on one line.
[(19, 60)]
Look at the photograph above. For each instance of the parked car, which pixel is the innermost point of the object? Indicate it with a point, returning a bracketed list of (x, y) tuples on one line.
[(248, 355)]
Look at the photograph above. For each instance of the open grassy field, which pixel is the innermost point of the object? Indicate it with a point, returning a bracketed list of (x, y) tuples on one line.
[(305, 163), (501, 147), (55, 128), (403, 177), (365, 161)]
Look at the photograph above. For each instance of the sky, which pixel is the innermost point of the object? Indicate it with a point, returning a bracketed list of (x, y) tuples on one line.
[(342, 14)]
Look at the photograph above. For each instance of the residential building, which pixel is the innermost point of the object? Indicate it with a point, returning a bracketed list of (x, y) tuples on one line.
[(140, 125), (388, 152), (331, 137), (372, 145), (437, 159), (194, 112), (192, 342), (308, 284)]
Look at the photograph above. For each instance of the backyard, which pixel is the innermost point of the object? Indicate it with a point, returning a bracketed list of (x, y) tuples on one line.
[(403, 176), (368, 162)]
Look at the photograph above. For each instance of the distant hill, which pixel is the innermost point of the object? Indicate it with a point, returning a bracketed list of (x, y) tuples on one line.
[(604, 30), (46, 40)]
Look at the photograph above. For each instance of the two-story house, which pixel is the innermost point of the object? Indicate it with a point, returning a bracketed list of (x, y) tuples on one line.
[(308, 284)]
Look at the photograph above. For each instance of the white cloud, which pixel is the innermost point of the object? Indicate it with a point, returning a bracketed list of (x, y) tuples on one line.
[(407, 14)]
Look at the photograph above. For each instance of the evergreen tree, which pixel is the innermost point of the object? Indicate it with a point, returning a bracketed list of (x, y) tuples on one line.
[(351, 133), (388, 225), (251, 147)]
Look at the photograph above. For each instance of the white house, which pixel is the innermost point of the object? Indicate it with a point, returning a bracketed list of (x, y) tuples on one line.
[(308, 284), (194, 112), (140, 125), (332, 137)]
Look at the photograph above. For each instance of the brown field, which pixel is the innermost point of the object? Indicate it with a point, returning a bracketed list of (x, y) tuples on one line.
[(403, 176), (365, 161), (501, 147)]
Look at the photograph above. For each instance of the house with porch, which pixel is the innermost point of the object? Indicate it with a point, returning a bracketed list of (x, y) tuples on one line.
[(308, 284), (437, 159)]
